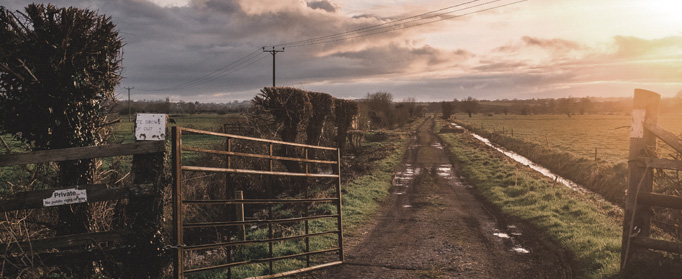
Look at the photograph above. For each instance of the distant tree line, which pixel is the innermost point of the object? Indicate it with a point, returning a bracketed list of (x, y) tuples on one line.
[(181, 107), (567, 106)]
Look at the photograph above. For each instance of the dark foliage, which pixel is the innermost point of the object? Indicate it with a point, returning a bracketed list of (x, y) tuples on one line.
[(58, 70), (322, 105), (344, 110), (289, 107)]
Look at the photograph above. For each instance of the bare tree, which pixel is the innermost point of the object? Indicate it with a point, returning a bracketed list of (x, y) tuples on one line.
[(411, 106), (380, 109), (469, 105), (447, 108)]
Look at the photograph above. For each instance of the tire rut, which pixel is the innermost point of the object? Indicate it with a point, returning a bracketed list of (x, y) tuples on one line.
[(432, 226)]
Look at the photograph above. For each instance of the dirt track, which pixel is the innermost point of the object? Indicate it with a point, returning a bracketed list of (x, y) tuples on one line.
[(432, 226)]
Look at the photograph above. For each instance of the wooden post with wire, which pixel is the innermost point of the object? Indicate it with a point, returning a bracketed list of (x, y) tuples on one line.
[(641, 164), (637, 221)]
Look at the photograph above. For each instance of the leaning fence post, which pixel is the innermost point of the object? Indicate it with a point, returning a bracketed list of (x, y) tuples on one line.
[(640, 178)]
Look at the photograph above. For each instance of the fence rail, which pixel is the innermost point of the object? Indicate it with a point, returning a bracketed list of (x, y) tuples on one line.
[(147, 168), (79, 153), (95, 193)]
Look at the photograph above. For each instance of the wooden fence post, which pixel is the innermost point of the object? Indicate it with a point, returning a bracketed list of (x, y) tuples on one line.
[(176, 150), (239, 211), (640, 178), (144, 214)]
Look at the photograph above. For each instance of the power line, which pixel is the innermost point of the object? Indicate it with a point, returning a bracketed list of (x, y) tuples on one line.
[(234, 68), (215, 74), (369, 28), (396, 25), (408, 24), (399, 24)]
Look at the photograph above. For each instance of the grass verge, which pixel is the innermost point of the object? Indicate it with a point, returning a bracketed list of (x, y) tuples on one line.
[(603, 178), (578, 222)]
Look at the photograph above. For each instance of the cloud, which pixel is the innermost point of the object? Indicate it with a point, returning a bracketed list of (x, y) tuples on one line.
[(627, 47), (396, 58), (197, 43), (324, 5), (557, 46)]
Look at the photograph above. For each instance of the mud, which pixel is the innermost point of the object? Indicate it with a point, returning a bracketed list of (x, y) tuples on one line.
[(433, 226)]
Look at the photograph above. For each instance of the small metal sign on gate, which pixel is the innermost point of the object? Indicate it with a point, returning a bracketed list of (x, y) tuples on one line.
[(66, 196)]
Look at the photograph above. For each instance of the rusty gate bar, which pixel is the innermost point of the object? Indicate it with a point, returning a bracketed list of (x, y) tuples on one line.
[(240, 195), (338, 204), (305, 214), (230, 168), (176, 141)]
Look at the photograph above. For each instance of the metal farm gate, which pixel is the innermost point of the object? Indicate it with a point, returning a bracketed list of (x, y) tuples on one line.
[(254, 206)]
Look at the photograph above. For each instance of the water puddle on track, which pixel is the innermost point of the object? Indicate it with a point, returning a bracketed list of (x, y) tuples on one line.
[(444, 170), (523, 160), (403, 179), (437, 145), (509, 239)]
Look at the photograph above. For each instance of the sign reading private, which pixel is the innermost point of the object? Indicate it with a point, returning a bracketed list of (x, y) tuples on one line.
[(150, 126), (66, 196)]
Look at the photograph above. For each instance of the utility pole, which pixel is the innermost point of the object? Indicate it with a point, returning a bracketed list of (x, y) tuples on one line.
[(273, 52), (129, 119)]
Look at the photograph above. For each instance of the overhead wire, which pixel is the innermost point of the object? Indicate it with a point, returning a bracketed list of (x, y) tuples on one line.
[(369, 28), (217, 73), (399, 24)]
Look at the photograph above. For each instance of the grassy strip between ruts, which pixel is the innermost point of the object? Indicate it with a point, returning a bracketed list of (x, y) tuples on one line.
[(580, 223)]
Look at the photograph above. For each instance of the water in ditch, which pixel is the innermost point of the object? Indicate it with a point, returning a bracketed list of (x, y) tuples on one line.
[(525, 161)]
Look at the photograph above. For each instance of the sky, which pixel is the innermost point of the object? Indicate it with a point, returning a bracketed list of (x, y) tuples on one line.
[(212, 50)]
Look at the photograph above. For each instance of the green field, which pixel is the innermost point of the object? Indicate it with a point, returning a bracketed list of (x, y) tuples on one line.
[(579, 134)]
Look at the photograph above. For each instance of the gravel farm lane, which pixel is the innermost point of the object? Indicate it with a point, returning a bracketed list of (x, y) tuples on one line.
[(433, 226)]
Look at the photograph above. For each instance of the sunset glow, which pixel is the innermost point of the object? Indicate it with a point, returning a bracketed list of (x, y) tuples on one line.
[(529, 49)]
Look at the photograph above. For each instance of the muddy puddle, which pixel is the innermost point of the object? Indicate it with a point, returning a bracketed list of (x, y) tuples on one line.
[(509, 238), (523, 160), (403, 179), (444, 170)]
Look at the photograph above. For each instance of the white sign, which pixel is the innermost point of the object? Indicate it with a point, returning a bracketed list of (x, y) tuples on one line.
[(637, 126), (66, 196), (150, 126)]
